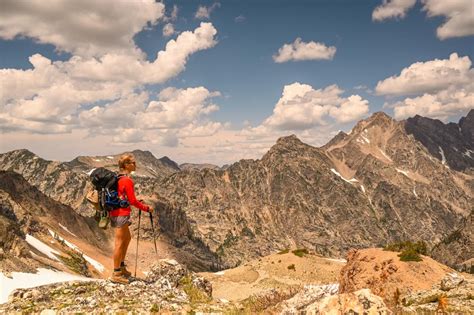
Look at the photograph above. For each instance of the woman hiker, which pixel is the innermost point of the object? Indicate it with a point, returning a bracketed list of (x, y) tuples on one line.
[(120, 218)]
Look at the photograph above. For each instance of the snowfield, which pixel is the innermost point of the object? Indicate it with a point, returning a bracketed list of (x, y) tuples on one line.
[(42, 247), (22, 280), (97, 265)]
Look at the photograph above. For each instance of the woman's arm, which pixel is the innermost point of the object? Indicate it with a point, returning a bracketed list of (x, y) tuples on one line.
[(132, 199)]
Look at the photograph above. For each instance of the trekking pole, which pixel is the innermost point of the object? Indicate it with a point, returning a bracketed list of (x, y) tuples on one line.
[(138, 237), (153, 230)]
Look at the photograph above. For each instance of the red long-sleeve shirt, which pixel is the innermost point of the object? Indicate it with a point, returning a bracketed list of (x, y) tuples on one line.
[(126, 191)]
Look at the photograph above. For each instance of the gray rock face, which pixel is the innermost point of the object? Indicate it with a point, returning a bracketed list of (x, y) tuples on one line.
[(452, 143), (457, 249)]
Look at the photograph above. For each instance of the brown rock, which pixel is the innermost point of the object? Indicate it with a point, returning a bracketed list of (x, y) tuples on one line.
[(387, 276)]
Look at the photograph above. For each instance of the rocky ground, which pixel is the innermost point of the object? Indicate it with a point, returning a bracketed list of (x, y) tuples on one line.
[(169, 288), (282, 271)]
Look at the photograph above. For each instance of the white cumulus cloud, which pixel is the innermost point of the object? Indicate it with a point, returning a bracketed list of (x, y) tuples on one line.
[(299, 50), (85, 28), (459, 14), (168, 30), (58, 92), (429, 76), (459, 17), (302, 107), (204, 12), (439, 88), (392, 9)]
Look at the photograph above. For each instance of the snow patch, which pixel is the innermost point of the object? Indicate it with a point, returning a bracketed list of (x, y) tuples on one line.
[(363, 189), (90, 172), (414, 192), (468, 153), (403, 172), (340, 260), (97, 265), (110, 157), (22, 280), (384, 154), (35, 158), (443, 158), (365, 139), (67, 230), (97, 160), (219, 273), (42, 247), (350, 181)]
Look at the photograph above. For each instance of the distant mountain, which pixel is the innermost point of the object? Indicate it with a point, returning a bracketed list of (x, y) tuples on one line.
[(68, 182), (451, 143), (147, 164), (187, 166)]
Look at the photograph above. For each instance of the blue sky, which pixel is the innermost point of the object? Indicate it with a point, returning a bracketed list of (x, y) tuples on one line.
[(247, 82)]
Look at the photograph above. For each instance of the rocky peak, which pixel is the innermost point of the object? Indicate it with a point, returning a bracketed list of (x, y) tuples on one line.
[(466, 124), (380, 119), (452, 144), (169, 162), (288, 144)]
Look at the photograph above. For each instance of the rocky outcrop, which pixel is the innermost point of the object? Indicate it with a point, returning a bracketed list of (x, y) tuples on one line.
[(452, 144), (168, 287), (386, 276), (452, 295), (358, 302), (309, 295)]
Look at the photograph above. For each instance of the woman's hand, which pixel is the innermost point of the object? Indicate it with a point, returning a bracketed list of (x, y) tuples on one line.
[(151, 210)]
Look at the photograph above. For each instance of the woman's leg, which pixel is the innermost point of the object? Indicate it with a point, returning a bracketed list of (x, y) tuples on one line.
[(120, 237), (127, 239)]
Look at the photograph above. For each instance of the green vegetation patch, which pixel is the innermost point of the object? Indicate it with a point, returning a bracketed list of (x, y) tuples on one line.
[(195, 294), (285, 251), (75, 262), (410, 251), (300, 252)]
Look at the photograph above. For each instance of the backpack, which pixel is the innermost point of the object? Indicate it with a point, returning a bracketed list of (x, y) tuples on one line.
[(105, 183)]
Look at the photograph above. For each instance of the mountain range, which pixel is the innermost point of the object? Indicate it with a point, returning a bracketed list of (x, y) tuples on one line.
[(382, 182)]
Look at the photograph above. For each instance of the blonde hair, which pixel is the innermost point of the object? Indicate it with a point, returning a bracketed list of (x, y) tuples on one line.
[(125, 159)]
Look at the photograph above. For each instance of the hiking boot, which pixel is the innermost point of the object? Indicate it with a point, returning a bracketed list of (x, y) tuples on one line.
[(118, 277), (125, 272)]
